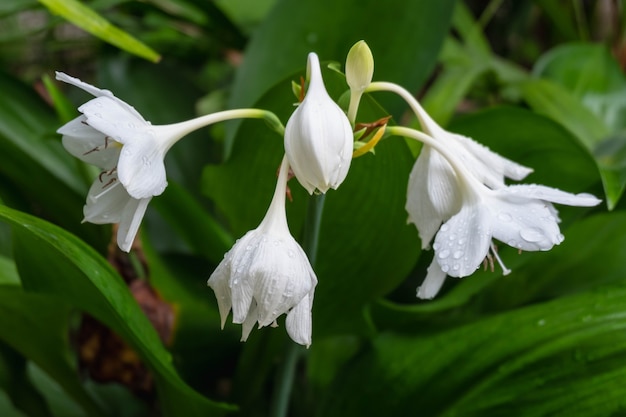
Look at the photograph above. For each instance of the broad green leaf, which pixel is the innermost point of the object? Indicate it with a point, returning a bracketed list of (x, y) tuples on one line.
[(36, 326), (74, 272), (364, 235), (17, 387), (581, 68), (404, 49), (555, 102), (563, 357), (90, 21)]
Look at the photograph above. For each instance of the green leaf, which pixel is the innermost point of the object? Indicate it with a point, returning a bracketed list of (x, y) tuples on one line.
[(74, 272), (294, 28), (36, 326), (554, 101), (561, 357), (90, 21), (581, 68)]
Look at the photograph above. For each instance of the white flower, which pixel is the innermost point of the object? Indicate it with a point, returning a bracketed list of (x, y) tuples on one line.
[(318, 137), (521, 216), (266, 274), (113, 136), (433, 193)]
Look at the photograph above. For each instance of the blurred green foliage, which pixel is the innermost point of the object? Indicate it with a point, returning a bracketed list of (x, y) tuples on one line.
[(541, 82)]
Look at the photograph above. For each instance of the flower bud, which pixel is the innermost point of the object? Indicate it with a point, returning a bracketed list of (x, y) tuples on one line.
[(318, 137), (359, 66)]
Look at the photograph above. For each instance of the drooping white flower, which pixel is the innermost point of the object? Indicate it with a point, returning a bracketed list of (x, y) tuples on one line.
[(112, 135), (521, 216), (474, 211), (318, 137), (267, 274), (432, 193)]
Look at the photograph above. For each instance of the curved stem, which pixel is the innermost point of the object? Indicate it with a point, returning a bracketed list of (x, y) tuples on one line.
[(287, 369), (188, 126)]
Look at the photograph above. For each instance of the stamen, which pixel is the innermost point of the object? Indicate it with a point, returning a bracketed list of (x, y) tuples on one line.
[(505, 270), (111, 181)]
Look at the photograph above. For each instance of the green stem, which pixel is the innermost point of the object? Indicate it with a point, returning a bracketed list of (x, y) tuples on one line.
[(287, 369)]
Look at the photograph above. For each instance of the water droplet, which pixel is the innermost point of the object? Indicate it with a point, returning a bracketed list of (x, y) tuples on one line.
[(531, 235), (443, 254), (277, 242), (505, 217), (456, 267), (457, 254), (560, 238), (249, 247), (146, 161), (98, 104), (462, 241), (436, 246), (444, 227), (291, 253), (452, 237), (98, 115), (512, 243), (445, 268)]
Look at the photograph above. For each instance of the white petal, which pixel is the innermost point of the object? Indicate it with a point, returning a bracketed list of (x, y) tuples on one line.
[(218, 281), (299, 323), (95, 91), (141, 168), (493, 163), (89, 145), (435, 278), (283, 276), (432, 194), (554, 195), (130, 221), (241, 257), (463, 241), (528, 225), (113, 119), (249, 322), (106, 201)]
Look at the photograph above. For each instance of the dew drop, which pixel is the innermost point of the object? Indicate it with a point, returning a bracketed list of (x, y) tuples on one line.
[(531, 235), (436, 246), (291, 254), (512, 243), (456, 267), (98, 115), (443, 254), (457, 254), (444, 228), (560, 238), (452, 237), (462, 241), (445, 268), (505, 217)]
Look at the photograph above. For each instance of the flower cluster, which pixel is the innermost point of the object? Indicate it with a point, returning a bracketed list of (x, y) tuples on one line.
[(457, 196)]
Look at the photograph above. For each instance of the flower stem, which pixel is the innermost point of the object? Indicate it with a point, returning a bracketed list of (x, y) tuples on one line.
[(287, 370)]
